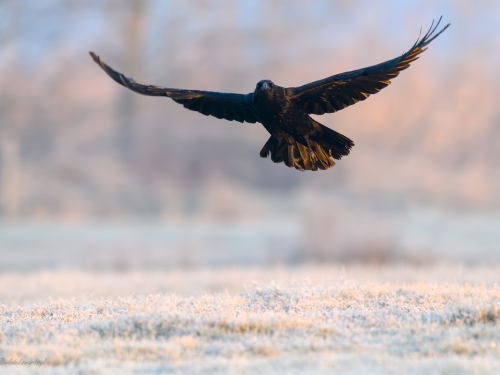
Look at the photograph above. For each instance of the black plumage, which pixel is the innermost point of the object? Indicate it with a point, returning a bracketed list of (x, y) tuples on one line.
[(296, 139)]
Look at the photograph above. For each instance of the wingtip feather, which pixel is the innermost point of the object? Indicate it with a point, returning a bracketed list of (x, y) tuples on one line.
[(95, 57)]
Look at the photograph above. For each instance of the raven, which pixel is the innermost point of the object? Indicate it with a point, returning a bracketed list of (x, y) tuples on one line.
[(296, 139)]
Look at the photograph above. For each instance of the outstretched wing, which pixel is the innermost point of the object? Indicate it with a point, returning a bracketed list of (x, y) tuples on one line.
[(342, 90), (228, 106)]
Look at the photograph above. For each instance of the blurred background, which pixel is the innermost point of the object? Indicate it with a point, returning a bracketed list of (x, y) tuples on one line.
[(94, 176)]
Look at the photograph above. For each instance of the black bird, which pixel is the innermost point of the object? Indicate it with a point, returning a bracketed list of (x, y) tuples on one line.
[(296, 139)]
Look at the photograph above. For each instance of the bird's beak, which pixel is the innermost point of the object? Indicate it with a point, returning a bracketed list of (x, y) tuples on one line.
[(264, 86)]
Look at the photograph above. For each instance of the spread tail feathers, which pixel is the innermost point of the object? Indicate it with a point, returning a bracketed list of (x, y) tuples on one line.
[(319, 154)]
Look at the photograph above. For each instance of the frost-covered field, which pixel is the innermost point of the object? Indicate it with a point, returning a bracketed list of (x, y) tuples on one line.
[(306, 320)]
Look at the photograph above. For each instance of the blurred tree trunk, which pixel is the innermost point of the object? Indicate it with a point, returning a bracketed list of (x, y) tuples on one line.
[(11, 176), (133, 39), (10, 165)]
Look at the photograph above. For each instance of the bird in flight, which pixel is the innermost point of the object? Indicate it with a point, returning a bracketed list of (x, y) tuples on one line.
[(296, 139)]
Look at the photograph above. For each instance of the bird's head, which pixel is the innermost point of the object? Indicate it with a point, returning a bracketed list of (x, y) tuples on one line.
[(264, 86)]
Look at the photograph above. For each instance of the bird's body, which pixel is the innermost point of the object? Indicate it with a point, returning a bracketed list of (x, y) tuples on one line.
[(278, 113), (294, 134), (296, 138)]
